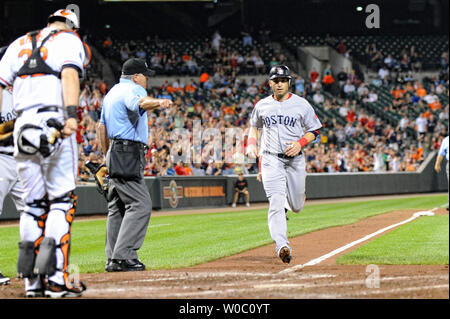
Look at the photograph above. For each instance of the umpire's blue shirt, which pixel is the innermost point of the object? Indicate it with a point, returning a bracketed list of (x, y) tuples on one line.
[(121, 114)]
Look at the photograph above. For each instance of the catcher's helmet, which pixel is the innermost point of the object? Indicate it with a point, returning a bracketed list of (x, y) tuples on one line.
[(2, 51), (67, 16), (280, 71)]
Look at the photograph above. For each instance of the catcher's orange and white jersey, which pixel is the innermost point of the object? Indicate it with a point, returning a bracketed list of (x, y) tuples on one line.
[(62, 49)]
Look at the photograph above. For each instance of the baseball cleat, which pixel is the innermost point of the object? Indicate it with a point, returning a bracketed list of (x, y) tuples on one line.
[(285, 254), (234, 205), (34, 293), (4, 280), (54, 290)]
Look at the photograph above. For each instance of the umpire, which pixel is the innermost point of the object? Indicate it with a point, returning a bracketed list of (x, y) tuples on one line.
[(123, 135)]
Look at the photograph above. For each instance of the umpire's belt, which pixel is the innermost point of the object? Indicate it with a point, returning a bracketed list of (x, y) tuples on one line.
[(119, 141), (282, 155)]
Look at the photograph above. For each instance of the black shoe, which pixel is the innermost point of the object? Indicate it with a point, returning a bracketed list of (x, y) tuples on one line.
[(113, 265), (4, 280), (108, 262), (131, 265)]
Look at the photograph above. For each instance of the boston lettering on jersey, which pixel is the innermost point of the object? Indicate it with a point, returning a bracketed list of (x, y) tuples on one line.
[(276, 119)]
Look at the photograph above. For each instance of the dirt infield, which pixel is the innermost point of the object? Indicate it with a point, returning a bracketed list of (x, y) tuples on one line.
[(259, 274)]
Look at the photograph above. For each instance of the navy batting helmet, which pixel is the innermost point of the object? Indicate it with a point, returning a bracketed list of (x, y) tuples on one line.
[(280, 71)]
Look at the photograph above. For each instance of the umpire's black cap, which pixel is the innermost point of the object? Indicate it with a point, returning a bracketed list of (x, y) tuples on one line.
[(136, 66), (280, 71)]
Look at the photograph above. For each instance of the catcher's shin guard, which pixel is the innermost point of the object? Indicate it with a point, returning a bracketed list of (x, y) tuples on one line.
[(32, 234), (66, 204), (46, 259), (25, 261)]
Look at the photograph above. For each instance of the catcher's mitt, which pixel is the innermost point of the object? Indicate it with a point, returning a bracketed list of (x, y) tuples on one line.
[(100, 172)]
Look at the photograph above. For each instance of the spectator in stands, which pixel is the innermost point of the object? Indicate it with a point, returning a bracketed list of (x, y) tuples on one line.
[(342, 77), (383, 74), (351, 115), (327, 81), (349, 89), (404, 122), (198, 170), (420, 90), (188, 169), (247, 39), (318, 97), (192, 66), (332, 138), (444, 60), (252, 89), (299, 85), (432, 123), (421, 125), (415, 62), (440, 88), (180, 169), (405, 63), (273, 61), (344, 108), (259, 64), (434, 103), (373, 97), (341, 47), (155, 62), (140, 53), (390, 62), (313, 75), (376, 61), (216, 41), (362, 91), (124, 52), (217, 168), (443, 115)]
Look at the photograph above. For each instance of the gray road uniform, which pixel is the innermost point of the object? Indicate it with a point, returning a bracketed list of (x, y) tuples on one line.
[(9, 181), (283, 177)]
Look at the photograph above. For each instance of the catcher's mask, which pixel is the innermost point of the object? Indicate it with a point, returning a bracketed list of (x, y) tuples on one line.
[(45, 140)]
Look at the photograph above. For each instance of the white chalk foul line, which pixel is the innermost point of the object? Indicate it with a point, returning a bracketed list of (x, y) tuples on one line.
[(356, 242)]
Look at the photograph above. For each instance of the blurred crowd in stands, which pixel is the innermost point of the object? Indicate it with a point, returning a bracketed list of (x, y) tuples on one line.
[(231, 56), (412, 119)]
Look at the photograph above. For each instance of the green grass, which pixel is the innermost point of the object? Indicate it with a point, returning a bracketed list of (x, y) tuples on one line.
[(185, 240), (422, 242)]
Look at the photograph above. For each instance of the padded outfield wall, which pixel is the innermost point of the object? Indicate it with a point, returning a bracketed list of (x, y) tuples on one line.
[(208, 191)]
